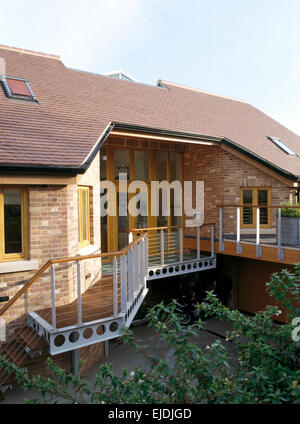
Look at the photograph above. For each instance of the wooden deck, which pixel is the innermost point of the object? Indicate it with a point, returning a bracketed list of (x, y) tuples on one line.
[(97, 303)]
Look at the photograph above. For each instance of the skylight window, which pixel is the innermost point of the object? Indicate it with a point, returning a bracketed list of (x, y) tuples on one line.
[(17, 88), (282, 146)]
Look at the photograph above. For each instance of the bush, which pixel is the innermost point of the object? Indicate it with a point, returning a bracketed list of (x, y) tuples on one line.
[(290, 212), (262, 365)]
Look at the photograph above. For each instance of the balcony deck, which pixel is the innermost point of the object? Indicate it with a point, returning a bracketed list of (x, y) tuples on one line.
[(269, 249)]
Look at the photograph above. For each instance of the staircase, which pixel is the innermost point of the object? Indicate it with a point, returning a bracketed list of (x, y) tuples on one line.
[(26, 350), (99, 313)]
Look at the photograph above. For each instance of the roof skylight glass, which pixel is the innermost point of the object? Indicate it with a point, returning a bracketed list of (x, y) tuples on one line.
[(17, 88), (282, 146)]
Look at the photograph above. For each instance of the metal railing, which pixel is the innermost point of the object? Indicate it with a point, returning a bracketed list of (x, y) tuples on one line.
[(168, 255), (269, 234), (100, 309)]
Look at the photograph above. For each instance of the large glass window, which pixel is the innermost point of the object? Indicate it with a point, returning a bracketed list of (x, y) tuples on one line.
[(121, 163), (13, 230), (161, 161), (175, 165), (141, 165)]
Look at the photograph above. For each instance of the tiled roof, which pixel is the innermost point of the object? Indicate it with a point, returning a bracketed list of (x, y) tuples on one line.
[(74, 109)]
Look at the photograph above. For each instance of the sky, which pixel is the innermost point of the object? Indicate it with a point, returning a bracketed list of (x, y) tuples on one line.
[(248, 49)]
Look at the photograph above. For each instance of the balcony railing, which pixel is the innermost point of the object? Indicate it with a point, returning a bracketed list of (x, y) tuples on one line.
[(255, 225), (168, 255)]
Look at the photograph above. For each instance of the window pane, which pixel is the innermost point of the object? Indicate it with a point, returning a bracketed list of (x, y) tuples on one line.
[(161, 166), (141, 165), (103, 162), (262, 197), (121, 163), (174, 159), (12, 221), (104, 244), (84, 215), (247, 212), (123, 221), (263, 200), (247, 197)]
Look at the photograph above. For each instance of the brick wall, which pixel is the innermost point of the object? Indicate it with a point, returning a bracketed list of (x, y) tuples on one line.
[(224, 175)]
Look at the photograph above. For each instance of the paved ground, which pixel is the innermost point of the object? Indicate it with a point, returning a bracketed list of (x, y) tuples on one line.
[(124, 356)]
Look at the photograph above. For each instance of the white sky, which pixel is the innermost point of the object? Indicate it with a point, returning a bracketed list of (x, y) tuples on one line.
[(248, 49)]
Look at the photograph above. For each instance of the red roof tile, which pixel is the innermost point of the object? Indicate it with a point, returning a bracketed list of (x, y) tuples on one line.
[(76, 107)]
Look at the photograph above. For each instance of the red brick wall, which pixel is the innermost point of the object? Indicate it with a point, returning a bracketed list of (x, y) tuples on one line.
[(224, 175)]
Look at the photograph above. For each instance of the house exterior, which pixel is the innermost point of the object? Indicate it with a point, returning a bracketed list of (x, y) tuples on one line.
[(63, 133)]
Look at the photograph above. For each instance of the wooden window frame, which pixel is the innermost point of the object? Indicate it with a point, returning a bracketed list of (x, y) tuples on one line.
[(83, 243), (9, 257), (255, 202)]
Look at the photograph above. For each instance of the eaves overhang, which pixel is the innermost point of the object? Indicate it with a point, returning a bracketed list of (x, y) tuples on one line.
[(259, 159), (134, 130)]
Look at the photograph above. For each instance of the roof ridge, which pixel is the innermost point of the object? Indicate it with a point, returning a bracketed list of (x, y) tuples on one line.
[(134, 82), (35, 53), (186, 87)]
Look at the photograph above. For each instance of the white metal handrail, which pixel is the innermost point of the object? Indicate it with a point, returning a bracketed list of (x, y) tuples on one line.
[(280, 251)]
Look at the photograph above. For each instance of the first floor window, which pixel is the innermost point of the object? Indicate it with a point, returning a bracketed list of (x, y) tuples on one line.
[(13, 224), (83, 216), (253, 198)]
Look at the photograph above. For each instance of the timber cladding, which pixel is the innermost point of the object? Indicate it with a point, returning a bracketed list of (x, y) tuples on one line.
[(145, 144), (252, 295)]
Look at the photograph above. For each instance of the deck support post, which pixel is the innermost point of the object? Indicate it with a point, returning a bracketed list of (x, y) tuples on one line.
[(162, 248), (258, 248), (212, 241), (53, 308), (238, 231), (75, 362), (280, 251), (180, 244), (106, 348), (146, 256), (221, 244), (142, 260), (115, 285), (136, 268), (198, 243), (130, 275), (123, 277), (79, 303)]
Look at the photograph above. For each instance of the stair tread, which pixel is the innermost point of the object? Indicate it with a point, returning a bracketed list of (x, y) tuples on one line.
[(15, 352), (32, 339)]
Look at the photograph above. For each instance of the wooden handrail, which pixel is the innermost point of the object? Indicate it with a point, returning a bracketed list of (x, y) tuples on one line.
[(25, 287), (63, 260), (139, 230), (249, 205)]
